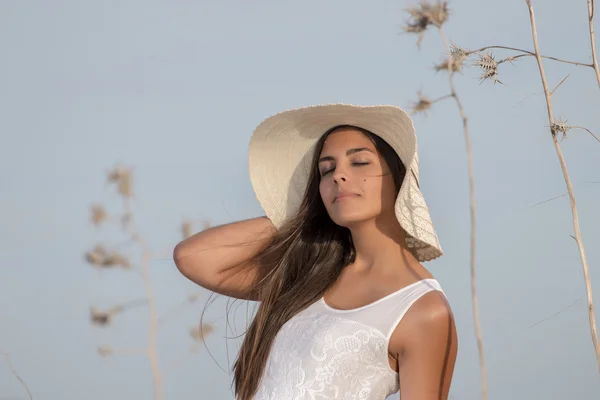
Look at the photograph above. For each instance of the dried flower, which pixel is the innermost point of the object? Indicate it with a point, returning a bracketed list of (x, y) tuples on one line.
[(115, 259), (200, 332), (458, 52), (425, 14), (100, 318), (105, 350), (103, 318), (122, 177), (489, 66), (422, 105), (458, 56), (447, 65), (96, 256), (560, 126), (98, 215), (100, 257)]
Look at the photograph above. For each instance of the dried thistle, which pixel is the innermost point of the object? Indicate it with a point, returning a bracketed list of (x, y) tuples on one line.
[(489, 66), (459, 53), (458, 57), (103, 318), (122, 177), (422, 105), (96, 256), (102, 258), (98, 215), (198, 333), (447, 65), (560, 126), (100, 318), (105, 350), (115, 259), (425, 14)]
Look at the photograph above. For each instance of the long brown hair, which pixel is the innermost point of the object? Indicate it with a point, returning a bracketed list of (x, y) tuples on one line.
[(303, 260)]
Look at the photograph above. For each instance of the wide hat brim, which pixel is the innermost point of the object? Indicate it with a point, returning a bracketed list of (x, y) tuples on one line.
[(281, 152)]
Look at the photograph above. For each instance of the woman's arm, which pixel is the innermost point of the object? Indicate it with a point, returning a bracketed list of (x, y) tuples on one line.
[(220, 258), (426, 344)]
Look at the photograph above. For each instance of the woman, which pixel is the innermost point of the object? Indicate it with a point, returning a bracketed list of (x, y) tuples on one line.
[(347, 310)]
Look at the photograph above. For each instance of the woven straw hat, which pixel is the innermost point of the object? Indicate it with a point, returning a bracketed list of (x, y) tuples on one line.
[(281, 152)]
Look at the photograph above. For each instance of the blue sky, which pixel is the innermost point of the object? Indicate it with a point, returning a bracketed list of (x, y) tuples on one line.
[(175, 89)]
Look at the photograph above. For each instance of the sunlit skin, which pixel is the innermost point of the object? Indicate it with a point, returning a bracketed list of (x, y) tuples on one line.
[(356, 184), (358, 191)]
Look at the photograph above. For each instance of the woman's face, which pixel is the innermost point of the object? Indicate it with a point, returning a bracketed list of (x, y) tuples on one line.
[(356, 183)]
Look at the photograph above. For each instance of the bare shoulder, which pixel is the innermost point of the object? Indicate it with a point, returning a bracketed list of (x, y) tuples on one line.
[(429, 311), (429, 319), (425, 343)]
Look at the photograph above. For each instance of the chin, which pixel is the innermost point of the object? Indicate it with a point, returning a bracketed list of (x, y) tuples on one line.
[(347, 220)]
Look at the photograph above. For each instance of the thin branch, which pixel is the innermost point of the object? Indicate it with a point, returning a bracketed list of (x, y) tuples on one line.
[(152, 350), (556, 313), (528, 53), (442, 98), (472, 212), (561, 82), (549, 200), (590, 4), (586, 129), (561, 158), (14, 372)]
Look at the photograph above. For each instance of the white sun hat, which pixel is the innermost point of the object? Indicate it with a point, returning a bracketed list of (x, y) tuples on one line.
[(281, 152)]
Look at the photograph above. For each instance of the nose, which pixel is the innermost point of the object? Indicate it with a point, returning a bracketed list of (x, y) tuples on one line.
[(339, 176)]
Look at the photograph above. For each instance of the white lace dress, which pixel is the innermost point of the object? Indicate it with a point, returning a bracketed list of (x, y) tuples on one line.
[(324, 353)]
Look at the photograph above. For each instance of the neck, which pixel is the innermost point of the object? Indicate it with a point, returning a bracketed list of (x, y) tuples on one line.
[(379, 244)]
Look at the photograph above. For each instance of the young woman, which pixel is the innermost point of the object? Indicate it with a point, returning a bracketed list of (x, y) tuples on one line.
[(346, 309)]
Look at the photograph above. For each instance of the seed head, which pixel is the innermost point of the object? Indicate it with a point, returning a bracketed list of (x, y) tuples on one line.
[(447, 65), (105, 350), (425, 14), (560, 126), (200, 332), (98, 215), (122, 177), (422, 105), (102, 258), (489, 66), (459, 56), (100, 318)]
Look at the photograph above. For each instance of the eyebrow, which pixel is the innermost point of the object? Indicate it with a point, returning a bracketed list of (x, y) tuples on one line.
[(350, 151)]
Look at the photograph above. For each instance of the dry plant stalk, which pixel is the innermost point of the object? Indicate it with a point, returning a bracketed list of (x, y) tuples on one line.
[(553, 129), (102, 258), (590, 4), (14, 372), (474, 298), (490, 66), (423, 16)]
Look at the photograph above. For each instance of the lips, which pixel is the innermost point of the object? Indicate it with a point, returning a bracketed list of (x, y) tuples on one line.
[(341, 196)]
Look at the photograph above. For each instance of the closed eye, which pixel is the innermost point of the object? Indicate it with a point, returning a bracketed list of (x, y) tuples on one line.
[(355, 164)]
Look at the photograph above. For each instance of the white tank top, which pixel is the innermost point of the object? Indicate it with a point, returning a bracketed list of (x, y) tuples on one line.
[(324, 353)]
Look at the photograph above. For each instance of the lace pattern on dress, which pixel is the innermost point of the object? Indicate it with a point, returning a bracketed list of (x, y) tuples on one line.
[(321, 357)]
